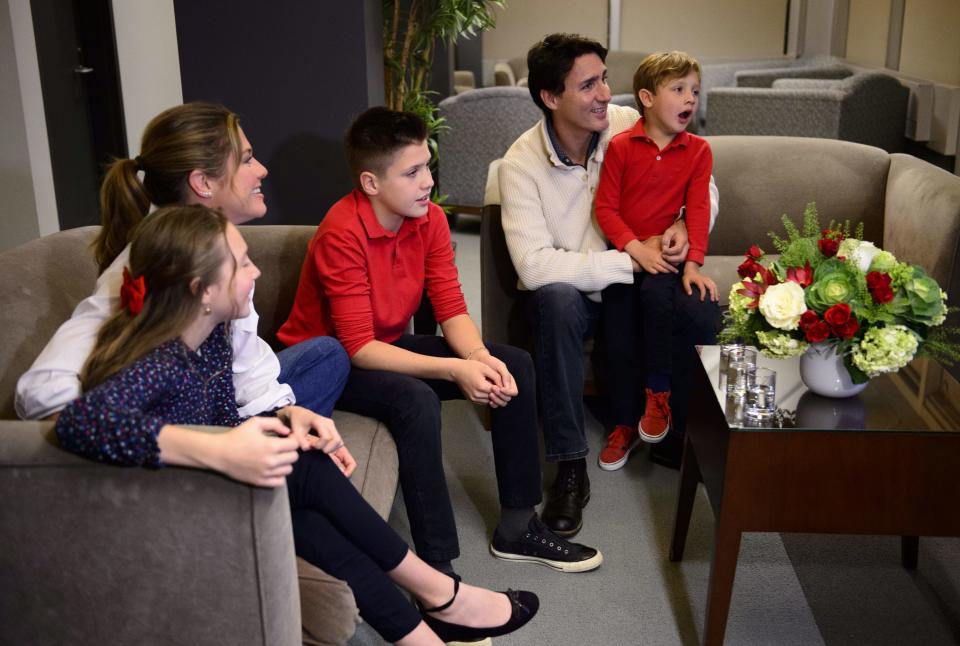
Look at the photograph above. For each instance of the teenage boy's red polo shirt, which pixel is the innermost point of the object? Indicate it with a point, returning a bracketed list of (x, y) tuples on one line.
[(361, 282)]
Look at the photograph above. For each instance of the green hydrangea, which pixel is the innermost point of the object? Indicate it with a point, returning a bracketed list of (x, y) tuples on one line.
[(738, 308), (833, 282), (885, 349), (922, 300), (884, 262), (778, 345)]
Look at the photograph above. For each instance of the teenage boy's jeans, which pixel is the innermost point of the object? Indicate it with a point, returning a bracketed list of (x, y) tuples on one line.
[(410, 408), (562, 318)]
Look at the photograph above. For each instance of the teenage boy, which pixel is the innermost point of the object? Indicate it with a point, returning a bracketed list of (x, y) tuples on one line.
[(649, 173), (363, 277), (547, 182)]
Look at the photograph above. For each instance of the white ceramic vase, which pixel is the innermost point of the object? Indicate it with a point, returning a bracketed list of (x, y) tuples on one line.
[(823, 372)]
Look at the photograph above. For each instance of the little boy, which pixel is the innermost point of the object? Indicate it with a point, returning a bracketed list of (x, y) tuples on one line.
[(362, 280), (649, 174)]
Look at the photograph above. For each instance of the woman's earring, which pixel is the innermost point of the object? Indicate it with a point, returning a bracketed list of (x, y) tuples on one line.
[(207, 310)]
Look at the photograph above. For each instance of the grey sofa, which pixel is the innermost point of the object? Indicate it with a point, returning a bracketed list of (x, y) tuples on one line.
[(868, 108), (97, 554), (909, 207)]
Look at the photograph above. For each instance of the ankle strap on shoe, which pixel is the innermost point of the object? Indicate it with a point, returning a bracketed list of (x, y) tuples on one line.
[(456, 589)]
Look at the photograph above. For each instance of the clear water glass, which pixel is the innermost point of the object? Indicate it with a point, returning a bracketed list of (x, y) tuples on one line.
[(739, 377), (761, 394)]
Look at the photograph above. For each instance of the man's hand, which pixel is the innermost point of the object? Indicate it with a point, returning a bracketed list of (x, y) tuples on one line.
[(692, 277), (649, 258), (675, 244)]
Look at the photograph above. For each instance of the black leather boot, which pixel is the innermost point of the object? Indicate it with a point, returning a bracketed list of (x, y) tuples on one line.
[(569, 494)]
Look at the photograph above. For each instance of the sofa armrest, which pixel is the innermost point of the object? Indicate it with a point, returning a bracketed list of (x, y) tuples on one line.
[(99, 554), (807, 84), (921, 221)]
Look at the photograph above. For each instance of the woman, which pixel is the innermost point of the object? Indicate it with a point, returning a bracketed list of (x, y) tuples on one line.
[(190, 154)]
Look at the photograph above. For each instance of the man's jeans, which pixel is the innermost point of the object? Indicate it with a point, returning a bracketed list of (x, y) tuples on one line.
[(562, 318)]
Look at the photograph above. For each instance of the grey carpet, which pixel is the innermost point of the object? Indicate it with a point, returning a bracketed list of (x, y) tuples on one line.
[(790, 589)]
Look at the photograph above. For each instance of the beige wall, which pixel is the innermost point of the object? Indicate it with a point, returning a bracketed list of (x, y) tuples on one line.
[(931, 44), (705, 28), (867, 30), (524, 22)]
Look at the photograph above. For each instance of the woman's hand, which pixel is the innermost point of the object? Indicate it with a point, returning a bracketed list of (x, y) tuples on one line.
[(506, 387), (249, 455), (302, 421)]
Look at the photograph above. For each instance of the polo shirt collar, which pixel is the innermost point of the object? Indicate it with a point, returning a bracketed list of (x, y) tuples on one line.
[(557, 155), (368, 218), (639, 132)]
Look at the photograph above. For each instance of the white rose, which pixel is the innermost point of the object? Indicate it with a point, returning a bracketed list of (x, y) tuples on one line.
[(858, 252), (782, 305)]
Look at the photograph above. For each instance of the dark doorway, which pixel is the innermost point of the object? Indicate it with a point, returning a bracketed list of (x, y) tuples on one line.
[(77, 56)]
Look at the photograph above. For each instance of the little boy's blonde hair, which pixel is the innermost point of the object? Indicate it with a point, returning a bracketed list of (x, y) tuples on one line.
[(661, 67)]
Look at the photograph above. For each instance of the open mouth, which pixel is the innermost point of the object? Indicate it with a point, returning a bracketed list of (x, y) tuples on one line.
[(600, 112), (685, 115), (257, 191)]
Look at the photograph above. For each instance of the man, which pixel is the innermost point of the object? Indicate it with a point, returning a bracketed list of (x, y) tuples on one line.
[(547, 183)]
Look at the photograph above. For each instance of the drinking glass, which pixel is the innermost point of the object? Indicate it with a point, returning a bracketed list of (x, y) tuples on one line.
[(740, 376), (761, 394)]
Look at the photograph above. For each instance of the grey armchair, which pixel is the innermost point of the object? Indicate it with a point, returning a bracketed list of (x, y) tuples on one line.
[(483, 123), (866, 108)]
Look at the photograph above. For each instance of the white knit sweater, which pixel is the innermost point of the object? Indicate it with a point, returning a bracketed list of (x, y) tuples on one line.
[(547, 210)]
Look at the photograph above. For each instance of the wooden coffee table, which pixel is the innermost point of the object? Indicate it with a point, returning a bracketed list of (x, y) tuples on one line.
[(865, 465)]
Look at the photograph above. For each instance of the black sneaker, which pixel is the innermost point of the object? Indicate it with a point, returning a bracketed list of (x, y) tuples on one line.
[(540, 545)]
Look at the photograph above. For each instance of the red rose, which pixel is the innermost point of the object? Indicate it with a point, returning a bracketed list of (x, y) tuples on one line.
[(808, 318), (837, 315), (848, 329), (828, 247), (749, 268), (877, 279), (882, 294), (755, 252), (817, 332)]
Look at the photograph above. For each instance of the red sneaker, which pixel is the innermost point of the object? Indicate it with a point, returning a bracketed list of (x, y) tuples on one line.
[(656, 418), (614, 454)]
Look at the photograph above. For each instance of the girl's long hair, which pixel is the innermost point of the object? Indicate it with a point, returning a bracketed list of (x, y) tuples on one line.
[(179, 251), (188, 137)]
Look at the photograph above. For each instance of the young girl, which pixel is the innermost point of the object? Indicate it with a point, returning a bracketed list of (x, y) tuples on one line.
[(163, 359)]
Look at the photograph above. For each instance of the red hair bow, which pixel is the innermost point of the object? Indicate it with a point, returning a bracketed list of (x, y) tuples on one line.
[(132, 293)]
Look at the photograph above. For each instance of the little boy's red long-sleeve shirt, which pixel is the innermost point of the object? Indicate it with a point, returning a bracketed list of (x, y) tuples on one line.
[(361, 282), (642, 188)]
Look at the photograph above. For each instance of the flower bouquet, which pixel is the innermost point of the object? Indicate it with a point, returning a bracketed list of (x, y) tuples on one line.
[(831, 287)]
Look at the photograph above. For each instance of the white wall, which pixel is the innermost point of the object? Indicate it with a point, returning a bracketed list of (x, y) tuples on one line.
[(26, 178), (146, 34)]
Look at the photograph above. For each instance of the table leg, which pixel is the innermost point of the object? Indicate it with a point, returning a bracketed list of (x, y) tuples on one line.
[(722, 572), (909, 548), (689, 477)]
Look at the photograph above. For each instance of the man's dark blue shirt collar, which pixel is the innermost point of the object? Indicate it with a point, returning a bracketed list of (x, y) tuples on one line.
[(594, 142)]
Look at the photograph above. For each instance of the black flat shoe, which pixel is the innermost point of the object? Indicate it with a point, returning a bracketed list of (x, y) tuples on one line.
[(563, 511), (524, 606)]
